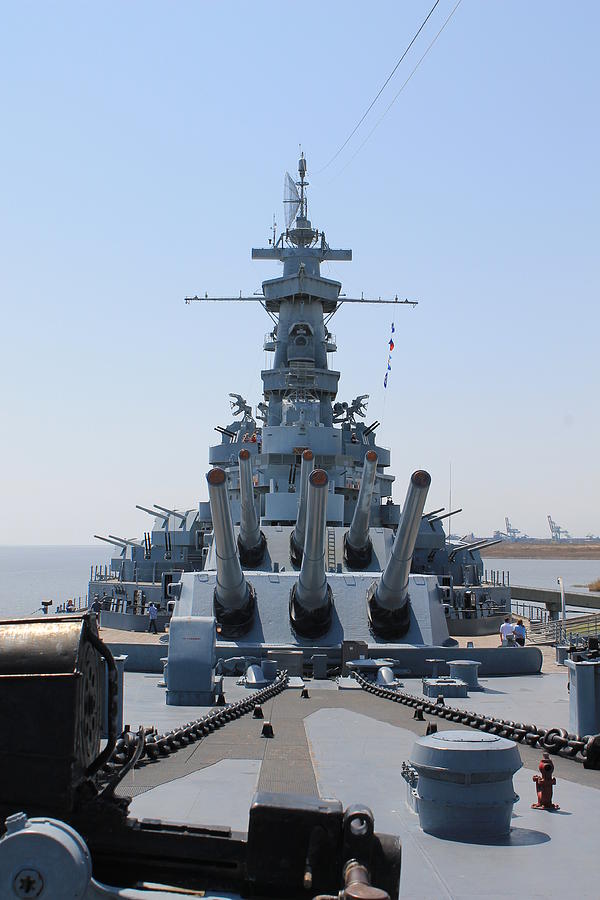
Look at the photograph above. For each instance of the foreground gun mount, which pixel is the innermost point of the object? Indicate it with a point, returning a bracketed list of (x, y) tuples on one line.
[(53, 771), (296, 847), (52, 699)]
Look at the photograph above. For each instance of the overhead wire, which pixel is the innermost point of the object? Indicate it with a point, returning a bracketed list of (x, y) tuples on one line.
[(384, 114), (381, 90)]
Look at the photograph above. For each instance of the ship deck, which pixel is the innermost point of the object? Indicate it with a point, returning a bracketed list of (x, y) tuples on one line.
[(350, 744)]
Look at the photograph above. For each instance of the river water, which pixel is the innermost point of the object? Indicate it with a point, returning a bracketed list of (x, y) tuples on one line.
[(543, 573), (29, 574)]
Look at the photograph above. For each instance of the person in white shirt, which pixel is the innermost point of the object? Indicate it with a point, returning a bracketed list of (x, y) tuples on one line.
[(506, 630)]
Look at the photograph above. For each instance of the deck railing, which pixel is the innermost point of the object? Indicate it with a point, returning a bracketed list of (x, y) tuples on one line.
[(575, 630)]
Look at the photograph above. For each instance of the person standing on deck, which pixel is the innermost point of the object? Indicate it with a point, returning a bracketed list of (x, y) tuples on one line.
[(520, 633), (506, 630), (153, 616), (96, 608)]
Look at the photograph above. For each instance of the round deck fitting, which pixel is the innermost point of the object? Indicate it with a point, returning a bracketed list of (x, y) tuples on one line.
[(465, 788)]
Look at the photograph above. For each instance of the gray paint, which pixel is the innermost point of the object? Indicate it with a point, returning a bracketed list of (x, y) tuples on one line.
[(584, 697), (539, 699), (465, 789), (189, 673), (205, 797), (547, 855), (272, 627)]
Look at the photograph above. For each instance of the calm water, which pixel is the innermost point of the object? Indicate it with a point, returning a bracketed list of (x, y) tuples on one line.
[(29, 575), (576, 573)]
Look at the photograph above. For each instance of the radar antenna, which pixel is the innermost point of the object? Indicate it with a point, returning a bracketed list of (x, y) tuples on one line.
[(291, 199)]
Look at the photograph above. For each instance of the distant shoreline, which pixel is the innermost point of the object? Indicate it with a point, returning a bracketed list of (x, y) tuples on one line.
[(543, 550)]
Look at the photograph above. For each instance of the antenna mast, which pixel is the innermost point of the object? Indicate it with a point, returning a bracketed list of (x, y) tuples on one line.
[(302, 184)]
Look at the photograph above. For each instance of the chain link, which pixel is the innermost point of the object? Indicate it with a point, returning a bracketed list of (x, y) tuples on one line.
[(157, 746), (584, 749)]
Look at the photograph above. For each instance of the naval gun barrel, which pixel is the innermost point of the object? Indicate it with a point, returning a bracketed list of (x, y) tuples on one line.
[(357, 543), (234, 597), (475, 545), (297, 537), (388, 601), (311, 599), (251, 541)]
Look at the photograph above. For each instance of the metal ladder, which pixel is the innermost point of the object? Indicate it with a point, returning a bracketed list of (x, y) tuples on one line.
[(331, 549)]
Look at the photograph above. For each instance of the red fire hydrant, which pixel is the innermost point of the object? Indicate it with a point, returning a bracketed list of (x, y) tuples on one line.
[(544, 783)]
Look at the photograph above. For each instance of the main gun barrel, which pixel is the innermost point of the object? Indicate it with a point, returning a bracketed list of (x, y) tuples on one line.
[(251, 541), (357, 543), (234, 597), (388, 601), (297, 537), (311, 598)]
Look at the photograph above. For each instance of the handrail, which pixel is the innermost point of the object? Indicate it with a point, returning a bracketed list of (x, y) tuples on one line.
[(575, 629)]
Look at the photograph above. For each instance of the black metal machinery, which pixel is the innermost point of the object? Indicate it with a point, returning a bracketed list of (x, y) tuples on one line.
[(52, 695)]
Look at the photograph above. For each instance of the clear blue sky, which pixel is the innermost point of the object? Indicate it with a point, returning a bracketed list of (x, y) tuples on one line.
[(142, 154)]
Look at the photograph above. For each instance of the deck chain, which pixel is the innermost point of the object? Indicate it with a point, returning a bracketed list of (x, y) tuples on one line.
[(157, 746), (584, 749)]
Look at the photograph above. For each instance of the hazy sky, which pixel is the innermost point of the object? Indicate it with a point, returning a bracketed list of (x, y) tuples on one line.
[(142, 155)]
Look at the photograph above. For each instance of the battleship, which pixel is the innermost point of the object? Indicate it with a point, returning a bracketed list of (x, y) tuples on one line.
[(307, 722), (267, 456)]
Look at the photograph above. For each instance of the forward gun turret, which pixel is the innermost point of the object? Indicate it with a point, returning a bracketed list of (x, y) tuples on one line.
[(388, 601), (357, 543), (234, 597), (311, 599)]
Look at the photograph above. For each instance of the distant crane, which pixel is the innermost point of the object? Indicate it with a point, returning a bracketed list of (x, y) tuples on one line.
[(558, 533), (510, 531)]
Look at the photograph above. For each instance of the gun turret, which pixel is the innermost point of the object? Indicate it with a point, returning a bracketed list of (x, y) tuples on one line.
[(357, 543), (311, 599), (251, 541), (297, 537), (234, 597), (388, 600), (475, 545)]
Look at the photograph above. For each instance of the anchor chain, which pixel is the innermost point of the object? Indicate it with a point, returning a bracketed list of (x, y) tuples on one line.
[(157, 746), (584, 749)]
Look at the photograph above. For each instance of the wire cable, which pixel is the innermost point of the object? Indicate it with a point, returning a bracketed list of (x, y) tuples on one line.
[(381, 90), (386, 111)]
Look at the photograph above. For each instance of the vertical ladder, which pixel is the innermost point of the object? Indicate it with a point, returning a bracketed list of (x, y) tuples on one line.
[(331, 549)]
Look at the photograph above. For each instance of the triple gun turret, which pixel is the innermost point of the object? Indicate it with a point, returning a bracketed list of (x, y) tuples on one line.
[(311, 598)]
